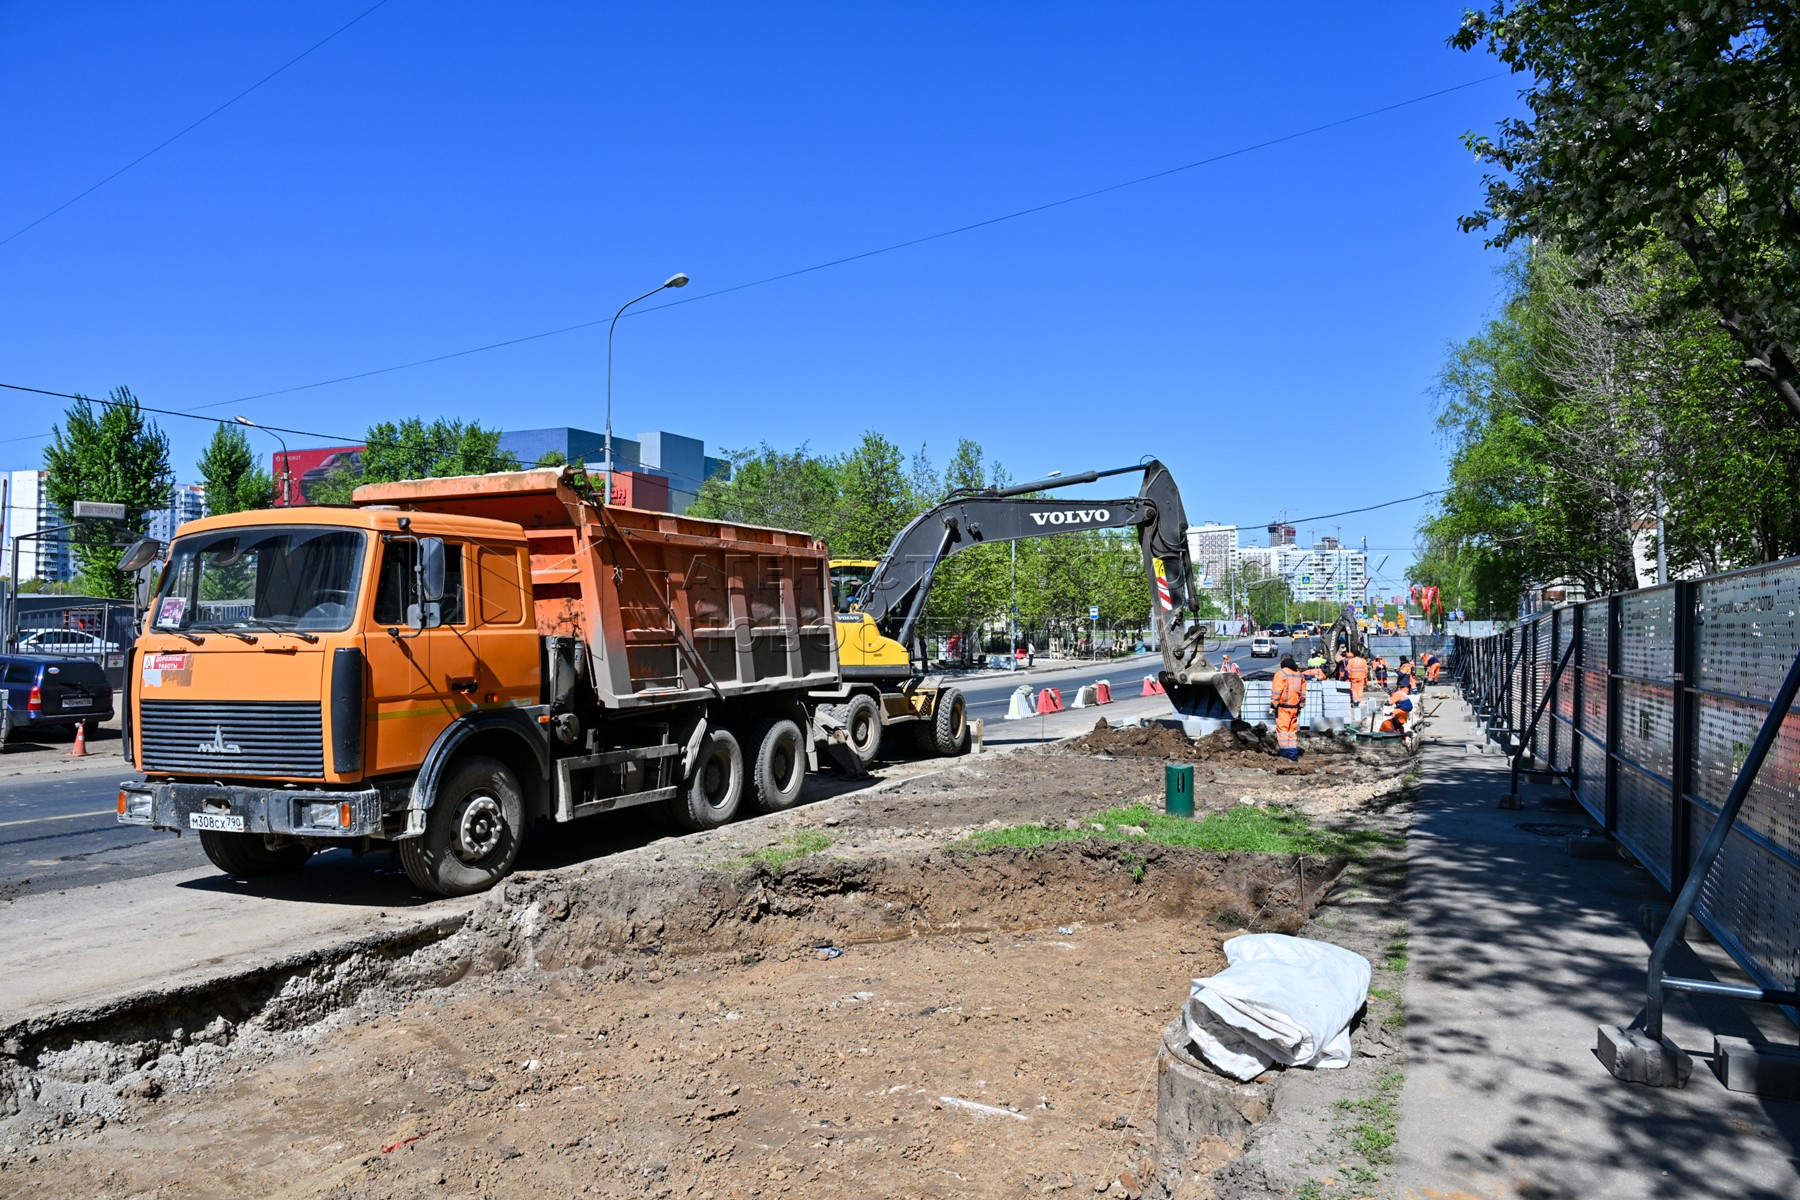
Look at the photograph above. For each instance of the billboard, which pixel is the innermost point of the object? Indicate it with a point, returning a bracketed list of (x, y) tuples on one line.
[(304, 470), (637, 489)]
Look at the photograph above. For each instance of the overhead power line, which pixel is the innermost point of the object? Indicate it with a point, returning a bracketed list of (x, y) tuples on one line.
[(183, 132), (851, 258), (167, 412)]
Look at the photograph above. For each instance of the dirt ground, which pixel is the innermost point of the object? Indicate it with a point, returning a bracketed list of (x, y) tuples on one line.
[(883, 1017)]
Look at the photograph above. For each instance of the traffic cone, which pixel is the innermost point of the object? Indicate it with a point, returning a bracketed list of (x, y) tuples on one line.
[(80, 749), (1149, 687), (1157, 687)]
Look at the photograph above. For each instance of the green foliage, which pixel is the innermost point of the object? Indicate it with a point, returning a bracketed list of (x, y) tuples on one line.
[(114, 454), (1378, 1119), (1574, 412), (875, 498), (552, 458), (415, 450), (1659, 125), (1244, 828), (233, 481)]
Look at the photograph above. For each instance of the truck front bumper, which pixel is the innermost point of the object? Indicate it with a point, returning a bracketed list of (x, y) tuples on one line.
[(236, 808)]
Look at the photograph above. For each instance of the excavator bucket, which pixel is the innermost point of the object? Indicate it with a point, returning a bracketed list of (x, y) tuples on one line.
[(1215, 695)]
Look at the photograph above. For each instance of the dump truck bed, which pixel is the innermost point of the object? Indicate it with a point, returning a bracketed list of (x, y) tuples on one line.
[(671, 608)]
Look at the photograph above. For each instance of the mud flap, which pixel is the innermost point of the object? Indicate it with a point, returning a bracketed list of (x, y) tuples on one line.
[(834, 740)]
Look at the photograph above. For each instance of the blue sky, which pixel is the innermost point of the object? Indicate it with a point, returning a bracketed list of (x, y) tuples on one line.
[(446, 175)]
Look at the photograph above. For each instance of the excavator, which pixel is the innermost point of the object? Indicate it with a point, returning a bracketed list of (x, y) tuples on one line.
[(879, 604)]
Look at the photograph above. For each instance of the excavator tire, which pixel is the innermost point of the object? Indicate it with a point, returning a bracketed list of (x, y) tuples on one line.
[(947, 733), (861, 719)]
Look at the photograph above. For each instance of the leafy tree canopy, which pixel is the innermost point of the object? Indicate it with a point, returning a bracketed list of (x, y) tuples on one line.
[(228, 469), (1658, 122), (109, 452)]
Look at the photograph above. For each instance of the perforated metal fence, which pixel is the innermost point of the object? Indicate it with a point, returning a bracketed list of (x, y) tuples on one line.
[(1658, 702)]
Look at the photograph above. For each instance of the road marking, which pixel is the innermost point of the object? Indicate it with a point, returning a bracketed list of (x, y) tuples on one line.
[(105, 812)]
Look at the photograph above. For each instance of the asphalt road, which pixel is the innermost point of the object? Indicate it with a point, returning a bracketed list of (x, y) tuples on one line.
[(61, 831)]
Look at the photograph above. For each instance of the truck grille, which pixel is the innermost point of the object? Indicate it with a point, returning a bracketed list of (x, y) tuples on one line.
[(235, 738)]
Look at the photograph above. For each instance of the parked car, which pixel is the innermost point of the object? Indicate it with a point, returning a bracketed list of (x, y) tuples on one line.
[(65, 641), (1277, 629), (44, 692), (1262, 646)]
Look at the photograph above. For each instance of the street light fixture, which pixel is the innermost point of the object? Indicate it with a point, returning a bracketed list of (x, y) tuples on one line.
[(285, 465), (677, 280)]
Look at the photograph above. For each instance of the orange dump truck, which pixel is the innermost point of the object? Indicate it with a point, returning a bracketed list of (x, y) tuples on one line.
[(453, 659)]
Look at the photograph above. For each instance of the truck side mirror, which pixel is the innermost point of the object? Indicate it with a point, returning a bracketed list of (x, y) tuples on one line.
[(431, 570), (140, 554)]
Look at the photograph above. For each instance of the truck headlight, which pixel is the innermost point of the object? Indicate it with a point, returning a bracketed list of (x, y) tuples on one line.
[(327, 816), (135, 806)]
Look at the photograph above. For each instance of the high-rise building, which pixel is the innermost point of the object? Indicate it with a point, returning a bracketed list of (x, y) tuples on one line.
[(187, 502), (1214, 549), (680, 462), (1281, 534), (49, 557), (1328, 571)]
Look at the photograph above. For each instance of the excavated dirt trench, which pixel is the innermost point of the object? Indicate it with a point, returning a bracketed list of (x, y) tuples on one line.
[(935, 1024)]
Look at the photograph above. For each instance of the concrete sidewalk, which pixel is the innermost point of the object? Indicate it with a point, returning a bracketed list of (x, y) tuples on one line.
[(1518, 953)]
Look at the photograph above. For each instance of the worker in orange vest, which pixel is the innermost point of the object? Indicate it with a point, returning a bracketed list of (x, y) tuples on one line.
[(1380, 666), (1356, 670), (1401, 707), (1287, 696), (1434, 666)]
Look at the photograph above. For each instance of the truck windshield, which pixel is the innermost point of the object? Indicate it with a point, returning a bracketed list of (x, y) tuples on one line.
[(289, 577)]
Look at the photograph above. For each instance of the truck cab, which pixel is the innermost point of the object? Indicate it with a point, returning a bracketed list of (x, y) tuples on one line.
[(313, 660)]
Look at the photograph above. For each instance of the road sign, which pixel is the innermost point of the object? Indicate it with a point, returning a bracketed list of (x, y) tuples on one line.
[(95, 510), (1093, 612)]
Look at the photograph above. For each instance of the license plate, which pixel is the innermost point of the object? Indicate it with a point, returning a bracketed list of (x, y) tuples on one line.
[(218, 822), (69, 701)]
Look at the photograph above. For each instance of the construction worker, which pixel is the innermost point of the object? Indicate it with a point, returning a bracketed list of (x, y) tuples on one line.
[(1356, 670), (1434, 666), (1343, 665), (1380, 668), (1316, 659), (1405, 677), (1287, 696), (1398, 712)]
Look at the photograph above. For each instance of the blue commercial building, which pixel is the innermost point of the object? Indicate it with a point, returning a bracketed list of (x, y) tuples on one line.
[(682, 461)]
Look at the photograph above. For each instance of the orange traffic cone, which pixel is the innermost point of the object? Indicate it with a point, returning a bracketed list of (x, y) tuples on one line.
[(80, 749)]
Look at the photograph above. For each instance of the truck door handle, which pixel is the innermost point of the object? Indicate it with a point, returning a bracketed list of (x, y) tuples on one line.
[(462, 683)]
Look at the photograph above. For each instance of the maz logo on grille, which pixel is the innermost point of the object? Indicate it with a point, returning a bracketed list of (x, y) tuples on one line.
[(219, 745)]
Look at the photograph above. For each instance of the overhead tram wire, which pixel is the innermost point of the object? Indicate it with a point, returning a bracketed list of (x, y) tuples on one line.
[(166, 412), (184, 131), (851, 258)]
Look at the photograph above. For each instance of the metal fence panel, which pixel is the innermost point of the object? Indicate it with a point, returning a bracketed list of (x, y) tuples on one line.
[(1671, 747)]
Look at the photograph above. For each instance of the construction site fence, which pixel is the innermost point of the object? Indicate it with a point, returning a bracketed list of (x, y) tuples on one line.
[(1661, 695)]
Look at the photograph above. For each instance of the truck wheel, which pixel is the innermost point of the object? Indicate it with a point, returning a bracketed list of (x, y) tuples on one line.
[(780, 769), (471, 833), (715, 789), (861, 718), (949, 726), (247, 855)]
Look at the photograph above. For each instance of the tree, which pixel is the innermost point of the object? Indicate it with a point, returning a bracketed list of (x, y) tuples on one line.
[(783, 489), (875, 499), (1659, 122), (109, 452), (415, 450), (228, 469), (552, 458)]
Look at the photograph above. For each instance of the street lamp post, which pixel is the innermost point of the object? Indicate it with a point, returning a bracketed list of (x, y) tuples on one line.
[(285, 467), (677, 280)]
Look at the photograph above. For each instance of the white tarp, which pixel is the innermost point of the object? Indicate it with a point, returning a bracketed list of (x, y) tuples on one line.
[(1283, 999)]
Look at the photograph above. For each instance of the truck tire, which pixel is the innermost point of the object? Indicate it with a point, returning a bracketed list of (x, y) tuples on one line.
[(715, 789), (861, 718), (472, 832), (947, 733), (780, 770), (247, 855)]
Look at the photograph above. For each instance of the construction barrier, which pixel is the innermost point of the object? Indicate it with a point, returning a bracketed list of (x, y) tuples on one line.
[(1152, 687), (1057, 692), (1102, 692), (1084, 696), (1020, 706)]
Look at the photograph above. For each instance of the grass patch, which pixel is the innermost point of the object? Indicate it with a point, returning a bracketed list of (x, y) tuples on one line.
[(1247, 827), (794, 845), (1377, 1119), (1396, 952)]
